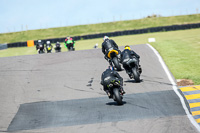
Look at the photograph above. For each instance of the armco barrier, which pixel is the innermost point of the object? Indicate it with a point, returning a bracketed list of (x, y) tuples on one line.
[(3, 46), (116, 33)]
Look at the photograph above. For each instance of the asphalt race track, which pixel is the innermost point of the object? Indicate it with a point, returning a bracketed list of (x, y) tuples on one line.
[(61, 92)]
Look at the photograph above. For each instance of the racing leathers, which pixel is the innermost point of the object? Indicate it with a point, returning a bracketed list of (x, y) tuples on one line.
[(57, 46), (108, 45), (40, 46), (48, 47), (109, 75), (129, 55)]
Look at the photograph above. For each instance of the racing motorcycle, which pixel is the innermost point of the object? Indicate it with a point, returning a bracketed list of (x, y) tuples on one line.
[(57, 48), (115, 91), (132, 68), (70, 47), (41, 49), (48, 48), (114, 57)]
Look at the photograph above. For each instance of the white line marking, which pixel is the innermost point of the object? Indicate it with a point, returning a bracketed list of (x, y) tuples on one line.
[(174, 86)]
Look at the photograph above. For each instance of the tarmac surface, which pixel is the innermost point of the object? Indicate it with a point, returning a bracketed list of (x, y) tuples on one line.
[(61, 92)]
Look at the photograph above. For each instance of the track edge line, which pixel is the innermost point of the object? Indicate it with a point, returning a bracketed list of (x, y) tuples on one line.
[(174, 86)]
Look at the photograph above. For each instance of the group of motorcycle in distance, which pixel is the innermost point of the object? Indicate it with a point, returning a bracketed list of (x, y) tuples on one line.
[(42, 47), (128, 59), (116, 58)]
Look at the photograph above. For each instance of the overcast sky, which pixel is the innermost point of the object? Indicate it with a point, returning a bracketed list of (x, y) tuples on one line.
[(17, 15)]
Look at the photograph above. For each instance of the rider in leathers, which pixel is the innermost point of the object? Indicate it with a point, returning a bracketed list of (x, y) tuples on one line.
[(128, 54), (57, 47), (38, 45), (48, 43), (107, 76), (108, 45), (69, 41)]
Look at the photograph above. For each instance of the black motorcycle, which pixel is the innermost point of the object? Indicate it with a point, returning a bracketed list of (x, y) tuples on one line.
[(70, 47), (114, 56), (41, 49), (115, 91), (132, 68), (57, 48)]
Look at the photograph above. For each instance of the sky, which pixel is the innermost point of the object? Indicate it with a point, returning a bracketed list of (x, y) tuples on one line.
[(21, 15)]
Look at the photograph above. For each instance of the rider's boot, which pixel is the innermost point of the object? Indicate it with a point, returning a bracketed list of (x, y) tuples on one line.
[(119, 56), (110, 62), (108, 93), (122, 90), (129, 74)]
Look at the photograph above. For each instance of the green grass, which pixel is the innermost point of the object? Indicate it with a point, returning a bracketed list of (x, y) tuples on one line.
[(179, 49), (97, 28)]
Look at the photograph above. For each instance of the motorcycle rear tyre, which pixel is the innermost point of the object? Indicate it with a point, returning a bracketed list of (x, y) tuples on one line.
[(136, 74), (116, 64)]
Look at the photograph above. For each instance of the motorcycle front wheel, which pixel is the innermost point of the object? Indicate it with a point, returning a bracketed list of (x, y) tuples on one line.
[(71, 49), (117, 97), (40, 52)]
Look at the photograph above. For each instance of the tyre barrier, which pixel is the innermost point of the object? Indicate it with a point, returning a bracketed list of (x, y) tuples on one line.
[(17, 44), (116, 33)]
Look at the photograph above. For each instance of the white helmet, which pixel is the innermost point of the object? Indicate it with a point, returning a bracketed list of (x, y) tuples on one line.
[(39, 40), (48, 42), (105, 37)]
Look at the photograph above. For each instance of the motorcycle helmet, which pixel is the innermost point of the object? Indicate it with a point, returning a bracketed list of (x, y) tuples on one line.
[(105, 37), (127, 47), (39, 41), (48, 42)]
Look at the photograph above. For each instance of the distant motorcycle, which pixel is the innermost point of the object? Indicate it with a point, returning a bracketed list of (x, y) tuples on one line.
[(131, 66), (41, 49), (115, 91), (70, 47), (114, 56), (57, 47), (48, 48)]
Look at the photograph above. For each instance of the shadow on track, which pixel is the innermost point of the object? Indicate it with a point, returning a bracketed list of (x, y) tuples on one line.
[(115, 103)]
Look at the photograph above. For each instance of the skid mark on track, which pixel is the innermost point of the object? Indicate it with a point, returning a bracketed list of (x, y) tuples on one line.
[(84, 90)]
